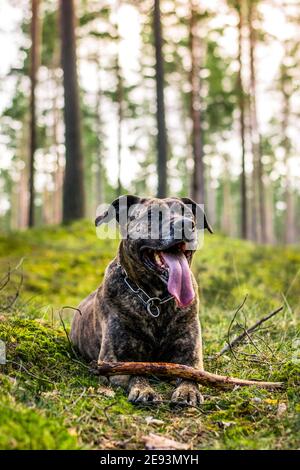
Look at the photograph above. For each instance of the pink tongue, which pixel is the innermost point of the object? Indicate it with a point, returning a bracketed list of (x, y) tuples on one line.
[(180, 282)]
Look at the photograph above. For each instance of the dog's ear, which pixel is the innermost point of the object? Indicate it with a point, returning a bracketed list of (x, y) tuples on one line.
[(199, 214), (118, 209)]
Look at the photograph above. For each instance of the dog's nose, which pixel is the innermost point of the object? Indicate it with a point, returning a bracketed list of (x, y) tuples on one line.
[(184, 228)]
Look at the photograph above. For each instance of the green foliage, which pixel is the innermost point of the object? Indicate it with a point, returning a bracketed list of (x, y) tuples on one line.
[(50, 39), (49, 399)]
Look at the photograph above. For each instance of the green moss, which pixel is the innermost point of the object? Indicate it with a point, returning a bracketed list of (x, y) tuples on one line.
[(22, 427)]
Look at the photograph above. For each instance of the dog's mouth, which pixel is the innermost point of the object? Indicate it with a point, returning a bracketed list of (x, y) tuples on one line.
[(172, 265)]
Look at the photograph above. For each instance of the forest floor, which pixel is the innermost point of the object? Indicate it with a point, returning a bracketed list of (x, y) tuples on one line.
[(49, 400)]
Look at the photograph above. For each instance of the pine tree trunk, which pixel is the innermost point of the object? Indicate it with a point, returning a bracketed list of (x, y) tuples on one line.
[(99, 173), (244, 211), (73, 190), (211, 201), (256, 138), (227, 219), (269, 213), (198, 180), (289, 216), (162, 146), (34, 65), (58, 174), (120, 123)]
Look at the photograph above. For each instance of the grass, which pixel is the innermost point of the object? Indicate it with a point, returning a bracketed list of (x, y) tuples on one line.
[(50, 401)]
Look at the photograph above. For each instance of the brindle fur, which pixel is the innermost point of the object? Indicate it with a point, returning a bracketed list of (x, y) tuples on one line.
[(115, 326)]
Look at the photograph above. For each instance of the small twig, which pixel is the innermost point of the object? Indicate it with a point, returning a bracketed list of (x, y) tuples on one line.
[(69, 341), (15, 296), (105, 410), (232, 322), (247, 332), (260, 338), (19, 364), (73, 308), (249, 338), (5, 280), (66, 332)]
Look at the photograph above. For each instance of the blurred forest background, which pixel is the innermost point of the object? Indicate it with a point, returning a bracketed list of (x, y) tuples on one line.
[(169, 97)]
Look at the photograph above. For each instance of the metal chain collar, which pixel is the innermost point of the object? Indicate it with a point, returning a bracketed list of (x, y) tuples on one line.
[(152, 304)]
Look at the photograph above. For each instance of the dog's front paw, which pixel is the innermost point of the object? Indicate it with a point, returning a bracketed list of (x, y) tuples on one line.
[(121, 381), (142, 394), (187, 394)]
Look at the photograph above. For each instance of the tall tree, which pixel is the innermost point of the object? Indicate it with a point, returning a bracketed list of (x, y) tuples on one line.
[(198, 180), (241, 99), (259, 210), (162, 145), (73, 190), (286, 85), (119, 99), (99, 125), (34, 65)]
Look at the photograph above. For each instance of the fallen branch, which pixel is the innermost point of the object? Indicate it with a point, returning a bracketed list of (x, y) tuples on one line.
[(248, 331), (165, 369)]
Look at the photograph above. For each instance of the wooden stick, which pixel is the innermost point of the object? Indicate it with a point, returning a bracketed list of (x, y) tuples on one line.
[(243, 335), (166, 369)]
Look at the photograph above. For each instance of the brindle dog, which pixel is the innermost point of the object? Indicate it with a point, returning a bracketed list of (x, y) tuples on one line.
[(117, 324)]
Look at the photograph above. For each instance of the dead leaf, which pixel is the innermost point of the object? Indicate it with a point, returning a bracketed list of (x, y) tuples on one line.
[(159, 442), (225, 424), (106, 391), (151, 420), (72, 431), (51, 394), (281, 410)]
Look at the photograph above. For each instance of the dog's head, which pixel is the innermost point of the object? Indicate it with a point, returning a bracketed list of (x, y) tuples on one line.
[(160, 237)]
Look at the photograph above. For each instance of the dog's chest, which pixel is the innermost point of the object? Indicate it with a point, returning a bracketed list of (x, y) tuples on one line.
[(158, 330)]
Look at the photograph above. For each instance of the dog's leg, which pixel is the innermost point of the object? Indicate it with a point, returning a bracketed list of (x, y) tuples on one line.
[(140, 391), (112, 350), (189, 349), (108, 354)]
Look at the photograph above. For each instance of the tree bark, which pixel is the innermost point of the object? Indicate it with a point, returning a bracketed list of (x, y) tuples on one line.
[(198, 180), (73, 190), (243, 189), (120, 123), (227, 213), (34, 65), (289, 219), (99, 173), (162, 145), (58, 174), (258, 184), (269, 192), (211, 200), (166, 369)]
